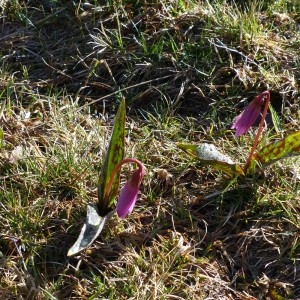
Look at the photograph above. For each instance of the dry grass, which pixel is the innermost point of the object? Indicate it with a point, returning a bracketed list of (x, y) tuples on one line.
[(185, 70)]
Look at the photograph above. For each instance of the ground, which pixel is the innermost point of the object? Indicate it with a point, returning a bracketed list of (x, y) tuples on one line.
[(186, 69)]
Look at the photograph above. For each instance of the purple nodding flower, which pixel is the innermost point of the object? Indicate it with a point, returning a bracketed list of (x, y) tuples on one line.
[(246, 118), (129, 193)]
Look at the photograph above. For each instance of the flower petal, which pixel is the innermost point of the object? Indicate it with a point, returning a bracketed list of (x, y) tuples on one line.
[(129, 193), (246, 118)]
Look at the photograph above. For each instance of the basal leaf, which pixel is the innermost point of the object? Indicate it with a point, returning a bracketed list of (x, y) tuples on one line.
[(286, 147), (90, 230), (114, 155), (208, 154)]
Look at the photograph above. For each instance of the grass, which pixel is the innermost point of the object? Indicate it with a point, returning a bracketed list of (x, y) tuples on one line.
[(186, 68)]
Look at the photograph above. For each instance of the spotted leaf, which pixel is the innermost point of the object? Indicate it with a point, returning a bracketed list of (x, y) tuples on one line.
[(115, 153), (286, 147)]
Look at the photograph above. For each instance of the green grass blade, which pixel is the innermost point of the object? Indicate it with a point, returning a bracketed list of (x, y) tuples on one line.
[(276, 120), (1, 130), (114, 155), (1, 138)]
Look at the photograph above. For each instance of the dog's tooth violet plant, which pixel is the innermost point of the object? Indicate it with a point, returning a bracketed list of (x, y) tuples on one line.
[(210, 155), (108, 185)]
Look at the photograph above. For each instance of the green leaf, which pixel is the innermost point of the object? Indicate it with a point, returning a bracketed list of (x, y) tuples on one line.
[(286, 147), (1, 138), (208, 154), (114, 155), (90, 230)]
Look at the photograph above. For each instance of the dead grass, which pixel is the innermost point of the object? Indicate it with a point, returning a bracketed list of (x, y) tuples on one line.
[(185, 70)]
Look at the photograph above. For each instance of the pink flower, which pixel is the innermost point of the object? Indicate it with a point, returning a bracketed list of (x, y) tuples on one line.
[(246, 118), (129, 193)]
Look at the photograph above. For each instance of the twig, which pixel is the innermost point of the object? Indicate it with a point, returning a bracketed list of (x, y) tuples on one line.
[(223, 46), (122, 90)]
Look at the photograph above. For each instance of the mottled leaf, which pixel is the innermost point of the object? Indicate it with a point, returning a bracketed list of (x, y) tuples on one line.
[(114, 155), (90, 230), (208, 154), (286, 147), (98, 215)]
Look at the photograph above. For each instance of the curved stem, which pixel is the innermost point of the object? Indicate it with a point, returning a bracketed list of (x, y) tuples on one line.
[(260, 128), (116, 169)]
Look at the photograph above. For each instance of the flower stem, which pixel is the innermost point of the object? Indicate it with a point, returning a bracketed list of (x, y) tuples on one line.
[(115, 171), (260, 128)]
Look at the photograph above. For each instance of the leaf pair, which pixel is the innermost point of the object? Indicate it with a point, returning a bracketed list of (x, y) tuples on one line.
[(208, 154), (98, 215)]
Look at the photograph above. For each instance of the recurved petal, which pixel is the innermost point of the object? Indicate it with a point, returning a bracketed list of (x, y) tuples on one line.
[(129, 193), (246, 118)]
